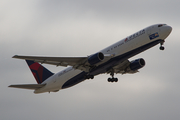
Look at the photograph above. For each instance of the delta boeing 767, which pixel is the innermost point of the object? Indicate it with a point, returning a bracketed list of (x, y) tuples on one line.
[(111, 60)]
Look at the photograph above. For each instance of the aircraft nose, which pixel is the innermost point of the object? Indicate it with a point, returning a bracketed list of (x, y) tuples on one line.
[(168, 29)]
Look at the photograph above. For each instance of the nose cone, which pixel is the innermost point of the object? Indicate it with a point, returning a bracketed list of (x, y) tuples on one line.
[(166, 30)]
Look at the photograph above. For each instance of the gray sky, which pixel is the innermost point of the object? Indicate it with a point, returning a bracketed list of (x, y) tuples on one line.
[(80, 28)]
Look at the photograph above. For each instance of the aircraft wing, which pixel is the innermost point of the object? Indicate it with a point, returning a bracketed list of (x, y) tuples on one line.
[(122, 67), (80, 63), (28, 86), (58, 61)]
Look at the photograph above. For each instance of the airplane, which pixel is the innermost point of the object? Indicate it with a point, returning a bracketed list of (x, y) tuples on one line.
[(111, 60)]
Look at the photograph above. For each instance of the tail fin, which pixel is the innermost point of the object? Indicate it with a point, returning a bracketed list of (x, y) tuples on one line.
[(40, 73)]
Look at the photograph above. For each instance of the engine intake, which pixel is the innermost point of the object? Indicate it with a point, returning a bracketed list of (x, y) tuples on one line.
[(96, 58), (137, 64)]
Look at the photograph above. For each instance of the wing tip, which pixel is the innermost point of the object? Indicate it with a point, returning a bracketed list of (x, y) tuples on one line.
[(12, 86), (15, 56)]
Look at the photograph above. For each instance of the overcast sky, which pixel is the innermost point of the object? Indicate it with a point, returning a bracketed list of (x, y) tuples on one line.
[(81, 28)]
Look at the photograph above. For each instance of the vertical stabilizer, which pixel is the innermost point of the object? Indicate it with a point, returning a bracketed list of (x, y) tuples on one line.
[(40, 73)]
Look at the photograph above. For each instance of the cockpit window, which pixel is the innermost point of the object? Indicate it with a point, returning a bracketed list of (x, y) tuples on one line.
[(160, 25)]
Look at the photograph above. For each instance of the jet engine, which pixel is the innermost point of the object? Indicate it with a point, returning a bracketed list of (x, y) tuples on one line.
[(135, 65), (95, 58)]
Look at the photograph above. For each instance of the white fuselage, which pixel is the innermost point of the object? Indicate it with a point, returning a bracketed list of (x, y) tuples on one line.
[(134, 41)]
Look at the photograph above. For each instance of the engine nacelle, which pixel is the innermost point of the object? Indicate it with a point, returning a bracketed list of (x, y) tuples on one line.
[(137, 64), (96, 58)]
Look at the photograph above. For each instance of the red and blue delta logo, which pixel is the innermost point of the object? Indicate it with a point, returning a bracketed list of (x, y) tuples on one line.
[(40, 73)]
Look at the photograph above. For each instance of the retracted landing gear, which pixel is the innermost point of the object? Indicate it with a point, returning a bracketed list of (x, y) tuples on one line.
[(112, 79), (161, 47)]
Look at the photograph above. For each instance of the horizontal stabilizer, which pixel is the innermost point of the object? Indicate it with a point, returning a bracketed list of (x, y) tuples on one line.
[(28, 86)]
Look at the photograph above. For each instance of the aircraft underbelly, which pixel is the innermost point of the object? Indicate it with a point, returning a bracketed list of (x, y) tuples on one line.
[(58, 81), (109, 64)]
